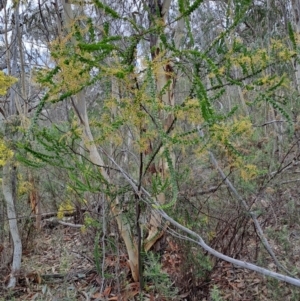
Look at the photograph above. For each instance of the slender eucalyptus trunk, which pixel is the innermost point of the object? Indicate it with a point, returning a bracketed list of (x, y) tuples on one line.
[(296, 21), (165, 76), (124, 227), (8, 188), (9, 169), (95, 157)]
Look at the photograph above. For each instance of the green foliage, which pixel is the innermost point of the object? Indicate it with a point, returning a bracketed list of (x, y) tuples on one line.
[(200, 263), (108, 10), (190, 8), (97, 252), (215, 294), (102, 46), (91, 30), (156, 280), (140, 105), (292, 36)]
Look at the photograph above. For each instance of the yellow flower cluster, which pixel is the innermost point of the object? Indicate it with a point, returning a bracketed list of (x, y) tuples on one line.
[(246, 171), (24, 187), (226, 132), (234, 134), (5, 82), (5, 153), (66, 207)]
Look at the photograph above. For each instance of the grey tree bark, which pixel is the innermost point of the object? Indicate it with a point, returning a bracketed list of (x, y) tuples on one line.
[(9, 169), (7, 187), (296, 21)]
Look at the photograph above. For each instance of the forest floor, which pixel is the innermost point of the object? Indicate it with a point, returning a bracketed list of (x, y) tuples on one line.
[(60, 265)]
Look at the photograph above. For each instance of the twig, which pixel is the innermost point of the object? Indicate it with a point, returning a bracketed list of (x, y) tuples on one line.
[(290, 181), (269, 122), (84, 256), (202, 192), (87, 297)]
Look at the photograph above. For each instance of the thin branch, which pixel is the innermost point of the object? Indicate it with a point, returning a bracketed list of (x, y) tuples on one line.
[(269, 122), (291, 181), (281, 167), (202, 192), (159, 147)]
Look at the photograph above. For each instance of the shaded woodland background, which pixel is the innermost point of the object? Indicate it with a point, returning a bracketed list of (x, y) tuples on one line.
[(124, 111)]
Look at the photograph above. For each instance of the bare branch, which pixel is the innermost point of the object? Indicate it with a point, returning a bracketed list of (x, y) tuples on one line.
[(269, 122)]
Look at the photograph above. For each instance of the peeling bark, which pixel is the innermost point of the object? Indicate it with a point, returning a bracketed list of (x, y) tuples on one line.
[(165, 73)]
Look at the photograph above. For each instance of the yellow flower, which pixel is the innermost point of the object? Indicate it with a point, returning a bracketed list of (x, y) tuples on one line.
[(66, 207), (5, 153), (5, 82)]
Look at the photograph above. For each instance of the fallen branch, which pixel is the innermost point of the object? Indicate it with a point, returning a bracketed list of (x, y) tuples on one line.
[(198, 239), (70, 224), (252, 214), (35, 277), (246, 207), (55, 222)]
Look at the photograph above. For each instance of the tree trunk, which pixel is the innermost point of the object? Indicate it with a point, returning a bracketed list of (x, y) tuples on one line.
[(95, 157), (9, 170), (296, 12), (123, 225), (7, 187), (165, 73), (34, 201)]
